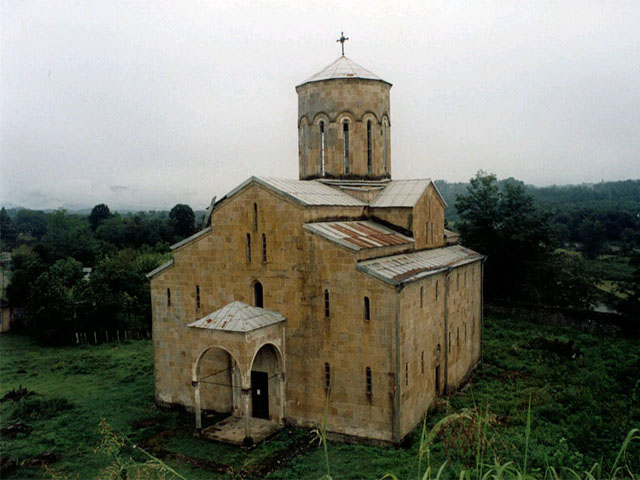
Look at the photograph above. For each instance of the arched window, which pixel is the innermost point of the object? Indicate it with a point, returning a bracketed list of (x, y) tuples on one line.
[(264, 247), (367, 310), (197, 297), (303, 143), (345, 137), (421, 297), (249, 247), (369, 148), (327, 376), (168, 297), (326, 304), (255, 217), (368, 380), (384, 138), (257, 294), (322, 160)]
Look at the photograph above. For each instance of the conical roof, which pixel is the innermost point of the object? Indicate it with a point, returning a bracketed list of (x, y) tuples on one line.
[(343, 67)]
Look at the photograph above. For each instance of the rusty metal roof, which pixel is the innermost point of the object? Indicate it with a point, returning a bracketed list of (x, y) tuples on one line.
[(343, 67), (404, 268), (358, 235), (238, 317)]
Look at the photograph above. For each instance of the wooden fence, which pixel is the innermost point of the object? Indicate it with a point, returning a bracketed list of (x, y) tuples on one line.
[(105, 336)]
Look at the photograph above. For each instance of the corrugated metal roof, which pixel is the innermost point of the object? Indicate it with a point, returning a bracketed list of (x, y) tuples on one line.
[(307, 192), (238, 317), (401, 193), (343, 67), (404, 268), (358, 235)]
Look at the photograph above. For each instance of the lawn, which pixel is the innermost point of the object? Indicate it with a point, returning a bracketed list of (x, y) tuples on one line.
[(584, 398)]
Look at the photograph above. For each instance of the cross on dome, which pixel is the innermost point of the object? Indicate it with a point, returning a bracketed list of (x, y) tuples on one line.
[(342, 39)]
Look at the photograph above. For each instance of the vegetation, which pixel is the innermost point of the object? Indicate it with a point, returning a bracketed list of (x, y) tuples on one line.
[(581, 411)]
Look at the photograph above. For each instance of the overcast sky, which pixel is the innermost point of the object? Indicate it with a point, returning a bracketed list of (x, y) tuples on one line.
[(145, 104)]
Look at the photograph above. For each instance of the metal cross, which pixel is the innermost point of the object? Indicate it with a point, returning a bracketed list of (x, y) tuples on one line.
[(342, 39)]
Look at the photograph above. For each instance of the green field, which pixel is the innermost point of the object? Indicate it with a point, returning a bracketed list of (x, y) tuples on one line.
[(581, 409)]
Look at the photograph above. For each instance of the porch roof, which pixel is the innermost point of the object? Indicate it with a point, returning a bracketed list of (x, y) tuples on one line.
[(238, 317)]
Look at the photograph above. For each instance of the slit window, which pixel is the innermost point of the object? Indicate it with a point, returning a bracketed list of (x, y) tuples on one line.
[(327, 376), (368, 380), (449, 342), (436, 289), (345, 137), (322, 160), (386, 155), (197, 297), (465, 331), (422, 362), (255, 217), (406, 374), (458, 337), (168, 297), (264, 247), (367, 309), (326, 304), (421, 297), (426, 228), (249, 247), (369, 148)]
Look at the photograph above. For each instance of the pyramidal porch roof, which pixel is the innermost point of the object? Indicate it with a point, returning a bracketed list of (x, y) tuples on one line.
[(238, 317)]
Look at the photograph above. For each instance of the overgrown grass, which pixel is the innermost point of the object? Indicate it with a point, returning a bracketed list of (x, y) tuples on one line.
[(581, 410)]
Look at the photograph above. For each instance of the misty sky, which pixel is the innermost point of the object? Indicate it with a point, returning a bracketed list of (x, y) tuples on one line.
[(145, 104)]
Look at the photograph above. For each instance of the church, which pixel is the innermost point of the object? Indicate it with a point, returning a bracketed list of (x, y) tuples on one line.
[(339, 293)]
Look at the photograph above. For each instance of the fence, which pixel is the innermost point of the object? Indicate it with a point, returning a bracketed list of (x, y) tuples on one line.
[(105, 336)]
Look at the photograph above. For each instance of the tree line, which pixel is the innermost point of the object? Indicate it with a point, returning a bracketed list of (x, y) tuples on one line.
[(74, 272)]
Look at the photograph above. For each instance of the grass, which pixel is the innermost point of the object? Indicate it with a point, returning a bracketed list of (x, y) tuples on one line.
[(537, 408)]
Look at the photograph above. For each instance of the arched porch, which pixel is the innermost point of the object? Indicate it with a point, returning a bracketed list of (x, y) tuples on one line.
[(240, 371)]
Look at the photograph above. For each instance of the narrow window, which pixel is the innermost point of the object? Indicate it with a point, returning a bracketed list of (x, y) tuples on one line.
[(168, 297), (457, 280), (406, 374), (422, 362), (258, 294), (436, 289), (345, 135), (327, 376), (326, 304), (438, 350), (369, 148), (248, 247), (465, 279), (264, 247), (426, 229), (304, 148), (449, 342), (386, 156), (197, 297), (322, 149), (458, 337), (368, 378), (421, 297), (255, 217), (367, 310), (465, 331)]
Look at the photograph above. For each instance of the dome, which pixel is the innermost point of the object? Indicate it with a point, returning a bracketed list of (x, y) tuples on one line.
[(343, 67)]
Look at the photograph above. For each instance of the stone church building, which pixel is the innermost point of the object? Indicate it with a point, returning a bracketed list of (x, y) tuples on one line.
[(341, 288)]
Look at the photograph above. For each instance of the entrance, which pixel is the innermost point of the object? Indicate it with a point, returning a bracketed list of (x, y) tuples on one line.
[(438, 380), (260, 394)]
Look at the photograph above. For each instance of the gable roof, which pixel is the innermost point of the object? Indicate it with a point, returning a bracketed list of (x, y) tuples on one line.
[(343, 67), (358, 235), (403, 193), (404, 268), (306, 192), (238, 317), (159, 270)]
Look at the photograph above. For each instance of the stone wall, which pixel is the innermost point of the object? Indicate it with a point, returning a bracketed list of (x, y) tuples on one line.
[(336, 100)]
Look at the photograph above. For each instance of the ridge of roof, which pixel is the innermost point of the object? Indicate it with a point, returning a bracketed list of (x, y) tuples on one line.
[(343, 67)]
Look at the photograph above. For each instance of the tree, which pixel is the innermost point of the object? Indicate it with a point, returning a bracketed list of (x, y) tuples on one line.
[(593, 237), (98, 214), (31, 222), (506, 226), (181, 220), (8, 231)]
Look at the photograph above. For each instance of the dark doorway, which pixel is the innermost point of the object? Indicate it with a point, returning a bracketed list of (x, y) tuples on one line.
[(438, 380), (257, 290), (260, 394)]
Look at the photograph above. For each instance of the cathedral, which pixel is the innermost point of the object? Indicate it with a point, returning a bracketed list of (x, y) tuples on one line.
[(339, 293)]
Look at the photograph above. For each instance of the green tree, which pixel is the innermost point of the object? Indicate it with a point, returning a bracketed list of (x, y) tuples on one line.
[(506, 226), (593, 237), (31, 222), (8, 232), (69, 236), (27, 267), (99, 213), (181, 220)]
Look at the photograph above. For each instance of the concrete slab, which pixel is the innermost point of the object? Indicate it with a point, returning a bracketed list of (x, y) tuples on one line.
[(231, 430)]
